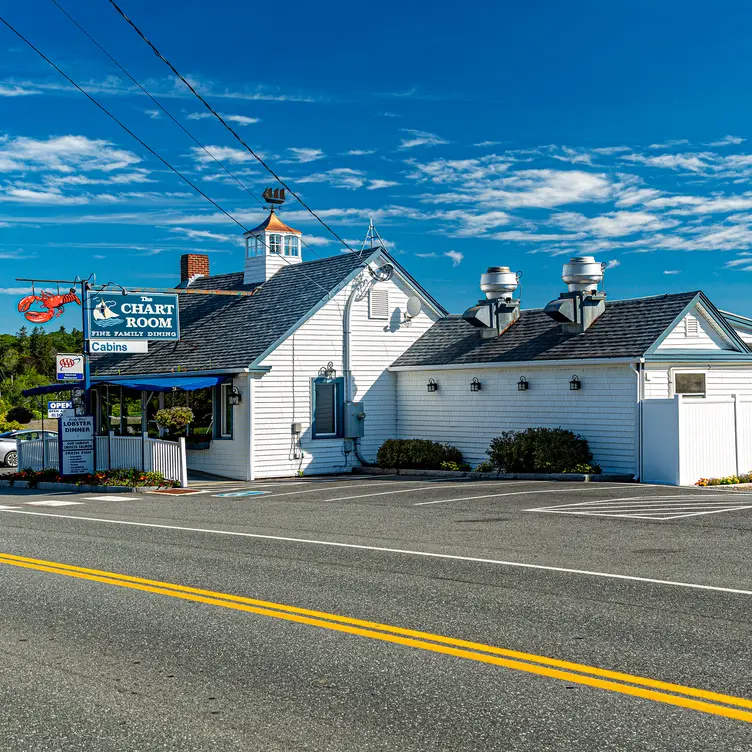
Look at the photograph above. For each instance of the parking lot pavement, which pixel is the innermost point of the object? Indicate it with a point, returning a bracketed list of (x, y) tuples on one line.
[(374, 613)]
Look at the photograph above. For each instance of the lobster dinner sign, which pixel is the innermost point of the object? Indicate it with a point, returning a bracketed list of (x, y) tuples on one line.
[(133, 316)]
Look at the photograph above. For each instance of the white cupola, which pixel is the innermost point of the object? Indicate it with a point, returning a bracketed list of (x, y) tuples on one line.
[(269, 247)]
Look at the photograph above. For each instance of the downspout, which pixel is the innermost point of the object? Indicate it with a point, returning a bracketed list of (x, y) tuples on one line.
[(638, 369), (346, 370)]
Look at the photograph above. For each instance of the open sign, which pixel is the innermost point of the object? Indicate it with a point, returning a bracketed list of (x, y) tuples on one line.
[(69, 367)]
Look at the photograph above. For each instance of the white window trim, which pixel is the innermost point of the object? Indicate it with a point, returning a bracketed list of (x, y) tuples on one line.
[(223, 411), (692, 373)]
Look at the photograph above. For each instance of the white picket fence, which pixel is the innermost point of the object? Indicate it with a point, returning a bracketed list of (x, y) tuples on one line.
[(115, 452), (688, 438)]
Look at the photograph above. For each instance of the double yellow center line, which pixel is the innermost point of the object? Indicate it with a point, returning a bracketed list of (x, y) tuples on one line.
[(575, 673)]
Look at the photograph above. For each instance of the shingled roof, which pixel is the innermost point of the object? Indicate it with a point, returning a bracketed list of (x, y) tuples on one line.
[(627, 328), (219, 332)]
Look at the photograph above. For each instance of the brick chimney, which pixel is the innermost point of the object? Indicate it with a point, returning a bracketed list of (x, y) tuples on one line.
[(192, 264)]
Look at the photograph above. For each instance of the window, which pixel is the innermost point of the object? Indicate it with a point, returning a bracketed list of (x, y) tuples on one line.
[(691, 327), (275, 243), (226, 414), (292, 245), (378, 304), (327, 408), (690, 383)]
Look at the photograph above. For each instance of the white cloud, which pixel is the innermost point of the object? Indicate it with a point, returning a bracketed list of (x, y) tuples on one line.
[(613, 263), (239, 119), (613, 224), (459, 170), (455, 256), (14, 291), (222, 153), (340, 177), (374, 185), (427, 255), (519, 236), (632, 196), (16, 91), (727, 141), (697, 162), (29, 196), (359, 152), (153, 114), (205, 235), (420, 138), (609, 150), (487, 143), (303, 155), (669, 144), (63, 154), (672, 271)]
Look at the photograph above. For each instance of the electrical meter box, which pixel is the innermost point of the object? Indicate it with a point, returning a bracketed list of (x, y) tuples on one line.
[(355, 419)]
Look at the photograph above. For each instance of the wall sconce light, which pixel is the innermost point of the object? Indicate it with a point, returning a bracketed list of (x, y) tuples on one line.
[(432, 386), (234, 397), (522, 385), (79, 403), (328, 371), (475, 385), (575, 384)]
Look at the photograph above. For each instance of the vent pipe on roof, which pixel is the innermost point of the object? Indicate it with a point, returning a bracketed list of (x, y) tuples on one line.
[(578, 308), (499, 310)]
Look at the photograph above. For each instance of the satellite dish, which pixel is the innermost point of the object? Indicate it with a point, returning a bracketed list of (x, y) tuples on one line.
[(414, 307)]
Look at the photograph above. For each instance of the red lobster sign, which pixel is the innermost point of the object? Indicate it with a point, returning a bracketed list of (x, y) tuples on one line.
[(47, 305)]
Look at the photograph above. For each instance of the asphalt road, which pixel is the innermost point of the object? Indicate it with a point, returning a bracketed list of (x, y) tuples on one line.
[(376, 614)]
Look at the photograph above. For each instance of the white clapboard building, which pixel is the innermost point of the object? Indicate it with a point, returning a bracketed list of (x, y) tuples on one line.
[(296, 367)]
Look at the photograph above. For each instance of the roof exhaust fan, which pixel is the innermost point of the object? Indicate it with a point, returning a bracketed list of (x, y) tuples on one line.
[(499, 310), (579, 307)]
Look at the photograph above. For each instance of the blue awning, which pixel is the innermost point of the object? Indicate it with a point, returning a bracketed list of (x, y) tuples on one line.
[(166, 383), (62, 387)]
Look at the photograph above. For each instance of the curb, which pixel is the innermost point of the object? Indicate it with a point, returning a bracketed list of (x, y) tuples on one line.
[(50, 486), (575, 477)]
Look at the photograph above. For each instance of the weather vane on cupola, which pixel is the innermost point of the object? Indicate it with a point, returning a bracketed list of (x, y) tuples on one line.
[(274, 197)]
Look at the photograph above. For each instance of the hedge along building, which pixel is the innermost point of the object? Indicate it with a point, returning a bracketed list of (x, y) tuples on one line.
[(657, 385), (297, 364)]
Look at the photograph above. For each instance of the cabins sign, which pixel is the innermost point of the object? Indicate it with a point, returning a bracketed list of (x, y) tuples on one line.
[(133, 316)]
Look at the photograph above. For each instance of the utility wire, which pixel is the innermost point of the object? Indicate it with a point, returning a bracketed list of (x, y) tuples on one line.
[(143, 143), (229, 128), (170, 115)]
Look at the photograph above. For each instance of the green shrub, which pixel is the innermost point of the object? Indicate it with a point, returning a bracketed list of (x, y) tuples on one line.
[(417, 454), (485, 467), (541, 450), (20, 414), (456, 466), (120, 477)]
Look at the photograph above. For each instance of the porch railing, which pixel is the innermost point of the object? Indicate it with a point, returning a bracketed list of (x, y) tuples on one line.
[(114, 452)]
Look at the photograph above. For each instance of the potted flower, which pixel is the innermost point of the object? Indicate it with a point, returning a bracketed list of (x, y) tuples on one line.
[(174, 420)]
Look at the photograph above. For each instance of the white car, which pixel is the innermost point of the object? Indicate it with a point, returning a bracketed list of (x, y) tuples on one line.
[(9, 448)]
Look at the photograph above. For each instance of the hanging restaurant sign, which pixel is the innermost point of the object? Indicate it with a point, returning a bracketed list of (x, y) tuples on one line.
[(133, 316), (39, 308)]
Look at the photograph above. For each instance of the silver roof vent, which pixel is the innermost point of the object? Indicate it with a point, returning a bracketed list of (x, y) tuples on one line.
[(499, 282), (583, 274), (577, 309)]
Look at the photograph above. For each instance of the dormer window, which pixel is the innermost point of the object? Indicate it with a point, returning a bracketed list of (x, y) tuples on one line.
[(292, 245), (275, 243)]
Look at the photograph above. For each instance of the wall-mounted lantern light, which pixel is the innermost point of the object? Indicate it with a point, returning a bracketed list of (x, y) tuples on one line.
[(475, 385), (328, 371), (522, 385), (432, 386), (575, 384), (234, 397)]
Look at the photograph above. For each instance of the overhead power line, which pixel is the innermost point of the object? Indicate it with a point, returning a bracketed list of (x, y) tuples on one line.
[(140, 141), (229, 128)]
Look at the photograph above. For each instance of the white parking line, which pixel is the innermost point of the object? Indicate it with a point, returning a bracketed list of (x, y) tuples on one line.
[(518, 493), (114, 496), (436, 485), (52, 503), (669, 507), (406, 552)]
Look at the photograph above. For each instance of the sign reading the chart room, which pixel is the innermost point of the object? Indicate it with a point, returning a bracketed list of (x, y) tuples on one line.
[(133, 316)]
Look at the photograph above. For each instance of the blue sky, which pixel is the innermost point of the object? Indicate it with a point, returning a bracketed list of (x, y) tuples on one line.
[(514, 133)]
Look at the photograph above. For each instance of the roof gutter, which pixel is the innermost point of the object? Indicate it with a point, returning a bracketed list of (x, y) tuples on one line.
[(214, 371), (523, 364)]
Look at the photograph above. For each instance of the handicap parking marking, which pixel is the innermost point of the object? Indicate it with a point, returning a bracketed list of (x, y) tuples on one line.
[(660, 508), (51, 503)]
